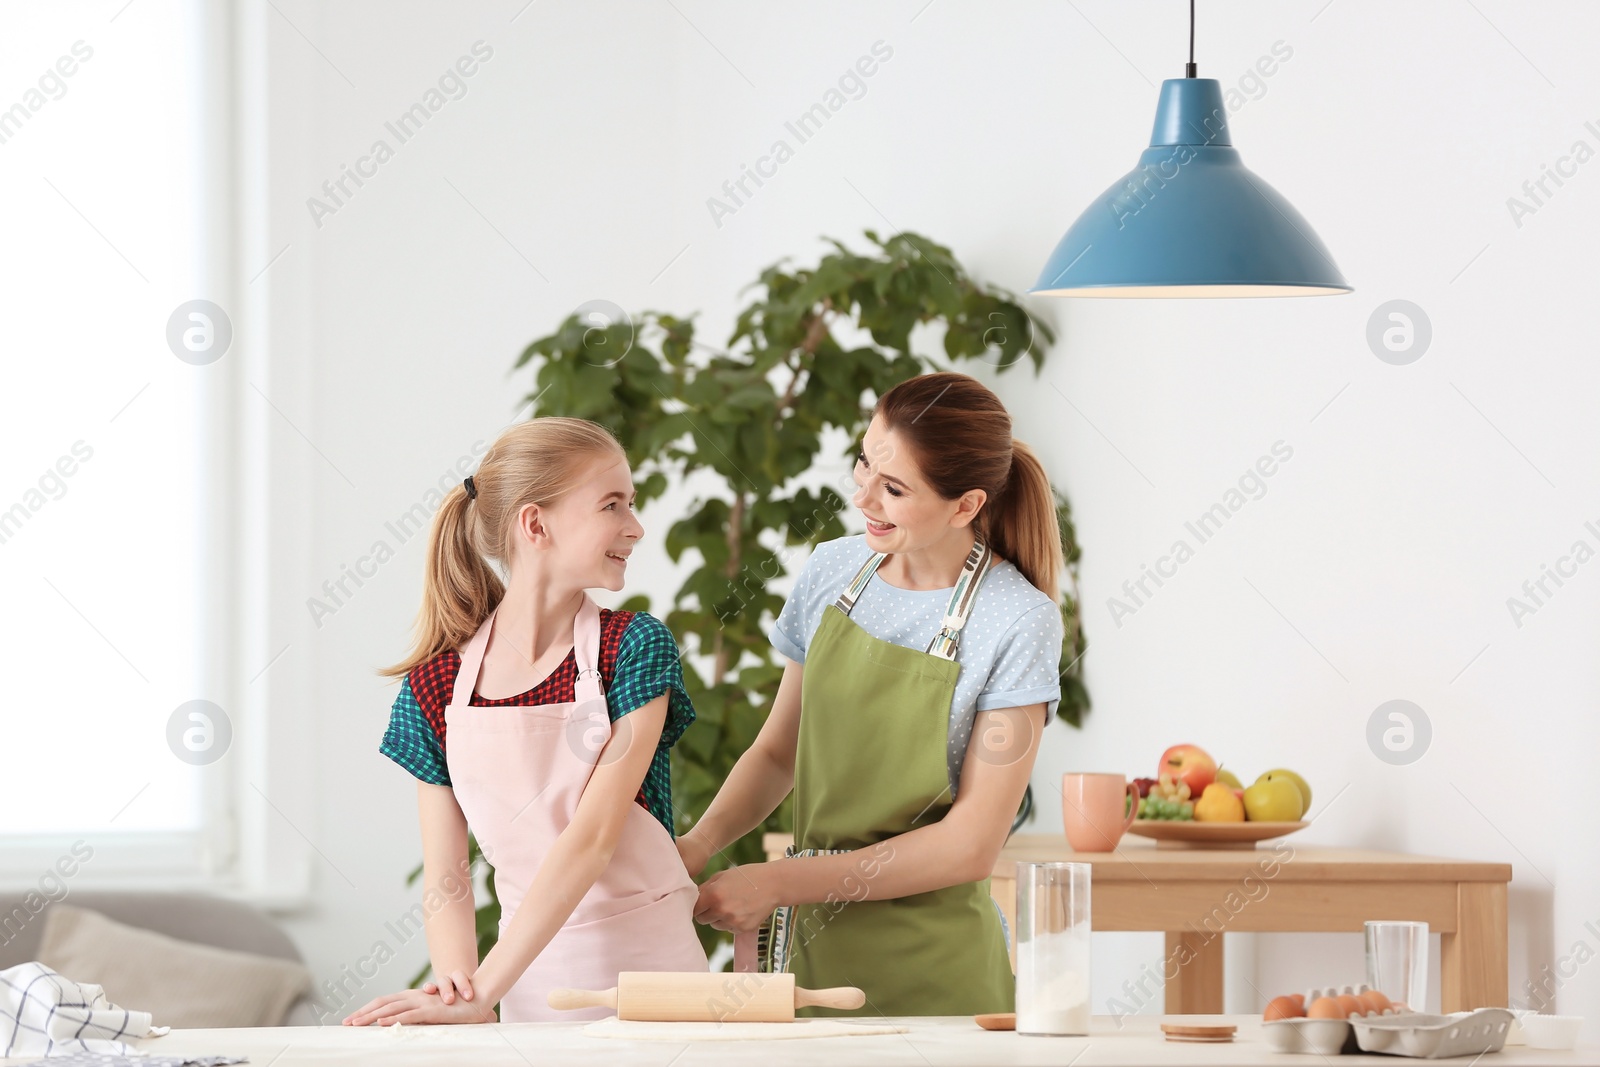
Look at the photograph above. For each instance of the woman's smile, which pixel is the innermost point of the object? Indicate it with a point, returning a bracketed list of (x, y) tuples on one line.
[(880, 529)]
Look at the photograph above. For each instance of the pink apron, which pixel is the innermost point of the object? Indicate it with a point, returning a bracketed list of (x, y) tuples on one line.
[(517, 773)]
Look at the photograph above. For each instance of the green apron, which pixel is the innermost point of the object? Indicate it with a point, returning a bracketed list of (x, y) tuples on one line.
[(870, 765)]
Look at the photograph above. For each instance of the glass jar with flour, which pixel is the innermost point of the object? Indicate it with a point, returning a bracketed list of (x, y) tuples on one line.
[(1053, 948)]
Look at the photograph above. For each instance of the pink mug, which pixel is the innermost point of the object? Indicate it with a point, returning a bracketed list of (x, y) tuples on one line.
[(1092, 809)]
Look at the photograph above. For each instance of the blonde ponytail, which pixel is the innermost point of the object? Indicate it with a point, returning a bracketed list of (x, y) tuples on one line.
[(533, 462)]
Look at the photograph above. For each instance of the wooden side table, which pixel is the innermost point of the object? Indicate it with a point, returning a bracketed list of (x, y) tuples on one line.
[(1196, 896)]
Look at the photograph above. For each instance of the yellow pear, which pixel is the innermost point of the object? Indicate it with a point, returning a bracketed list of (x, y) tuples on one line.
[(1218, 804)]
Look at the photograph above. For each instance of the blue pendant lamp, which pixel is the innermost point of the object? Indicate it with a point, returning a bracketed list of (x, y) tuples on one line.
[(1190, 220)]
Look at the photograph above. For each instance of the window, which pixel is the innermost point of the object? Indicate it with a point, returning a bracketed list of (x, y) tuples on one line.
[(106, 524)]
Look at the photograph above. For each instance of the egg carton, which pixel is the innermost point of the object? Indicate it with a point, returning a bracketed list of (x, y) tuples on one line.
[(1435, 1037), (1351, 990), (1326, 1037), (1404, 1033)]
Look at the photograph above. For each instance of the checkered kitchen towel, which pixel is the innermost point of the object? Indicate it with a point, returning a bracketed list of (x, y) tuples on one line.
[(138, 1059), (43, 1013)]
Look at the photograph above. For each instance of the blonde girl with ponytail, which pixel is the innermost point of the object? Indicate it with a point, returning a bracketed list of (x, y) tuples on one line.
[(921, 666), (542, 724)]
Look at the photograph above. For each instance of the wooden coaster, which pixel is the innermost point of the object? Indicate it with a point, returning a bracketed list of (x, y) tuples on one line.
[(997, 1021), (1192, 1032)]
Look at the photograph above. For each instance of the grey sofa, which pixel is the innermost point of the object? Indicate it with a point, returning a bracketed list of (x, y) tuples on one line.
[(197, 917)]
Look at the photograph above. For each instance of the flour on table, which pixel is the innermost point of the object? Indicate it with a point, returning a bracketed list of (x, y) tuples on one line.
[(633, 1030)]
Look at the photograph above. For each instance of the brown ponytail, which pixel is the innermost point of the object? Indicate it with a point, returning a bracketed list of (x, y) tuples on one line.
[(960, 438), (533, 462)]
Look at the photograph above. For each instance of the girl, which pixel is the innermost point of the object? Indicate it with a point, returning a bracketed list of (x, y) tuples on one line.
[(922, 667), (542, 723)]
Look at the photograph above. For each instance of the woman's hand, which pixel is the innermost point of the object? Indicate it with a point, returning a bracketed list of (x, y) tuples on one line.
[(694, 852), (738, 899), (415, 1006), (449, 987)]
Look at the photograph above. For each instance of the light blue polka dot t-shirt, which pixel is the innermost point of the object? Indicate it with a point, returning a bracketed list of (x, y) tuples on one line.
[(1010, 653)]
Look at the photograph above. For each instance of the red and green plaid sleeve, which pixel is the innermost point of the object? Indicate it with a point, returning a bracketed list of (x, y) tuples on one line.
[(649, 664), (410, 740)]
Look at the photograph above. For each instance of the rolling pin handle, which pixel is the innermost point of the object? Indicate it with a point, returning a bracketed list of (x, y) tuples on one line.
[(844, 997), (573, 999)]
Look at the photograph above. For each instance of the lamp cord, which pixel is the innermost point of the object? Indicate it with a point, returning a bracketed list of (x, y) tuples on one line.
[(1190, 70)]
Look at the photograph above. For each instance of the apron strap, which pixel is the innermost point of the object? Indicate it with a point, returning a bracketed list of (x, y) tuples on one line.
[(471, 663), (979, 562), (585, 651), (946, 642), (847, 599)]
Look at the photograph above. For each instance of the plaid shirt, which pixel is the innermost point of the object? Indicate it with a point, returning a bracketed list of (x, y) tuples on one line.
[(639, 661)]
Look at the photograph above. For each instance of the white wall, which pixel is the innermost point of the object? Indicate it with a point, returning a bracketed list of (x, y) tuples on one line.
[(1377, 565)]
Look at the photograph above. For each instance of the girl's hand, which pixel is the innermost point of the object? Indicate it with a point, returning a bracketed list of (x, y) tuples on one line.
[(738, 899), (694, 853), (450, 986), (413, 1006)]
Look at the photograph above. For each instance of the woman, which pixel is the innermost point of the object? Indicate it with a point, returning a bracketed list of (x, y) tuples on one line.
[(908, 717)]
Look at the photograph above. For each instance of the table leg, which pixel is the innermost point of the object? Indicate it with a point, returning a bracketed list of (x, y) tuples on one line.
[(1197, 989), (1474, 963)]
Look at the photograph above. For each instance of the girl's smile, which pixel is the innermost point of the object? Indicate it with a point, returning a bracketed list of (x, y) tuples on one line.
[(610, 520)]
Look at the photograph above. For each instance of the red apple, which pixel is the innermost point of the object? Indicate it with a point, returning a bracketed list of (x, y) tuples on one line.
[(1189, 763)]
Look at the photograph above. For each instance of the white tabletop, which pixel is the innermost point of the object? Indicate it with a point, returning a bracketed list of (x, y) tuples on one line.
[(930, 1042)]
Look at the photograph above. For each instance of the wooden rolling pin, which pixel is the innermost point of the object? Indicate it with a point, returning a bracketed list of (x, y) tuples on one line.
[(706, 996)]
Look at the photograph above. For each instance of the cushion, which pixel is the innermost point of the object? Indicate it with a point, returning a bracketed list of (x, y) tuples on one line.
[(180, 983)]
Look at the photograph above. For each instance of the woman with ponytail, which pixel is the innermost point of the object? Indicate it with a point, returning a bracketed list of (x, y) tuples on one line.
[(542, 724), (921, 668)]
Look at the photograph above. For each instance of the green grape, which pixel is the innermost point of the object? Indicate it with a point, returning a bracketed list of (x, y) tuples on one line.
[(1186, 810)]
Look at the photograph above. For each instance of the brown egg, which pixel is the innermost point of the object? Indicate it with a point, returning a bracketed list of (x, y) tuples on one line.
[(1349, 1005), (1325, 1008), (1292, 1007), (1374, 1001)]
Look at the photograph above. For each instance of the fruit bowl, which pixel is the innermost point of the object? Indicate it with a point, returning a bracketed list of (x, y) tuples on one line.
[(1174, 834)]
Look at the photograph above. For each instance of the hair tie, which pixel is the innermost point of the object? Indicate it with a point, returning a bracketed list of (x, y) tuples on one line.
[(472, 490)]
